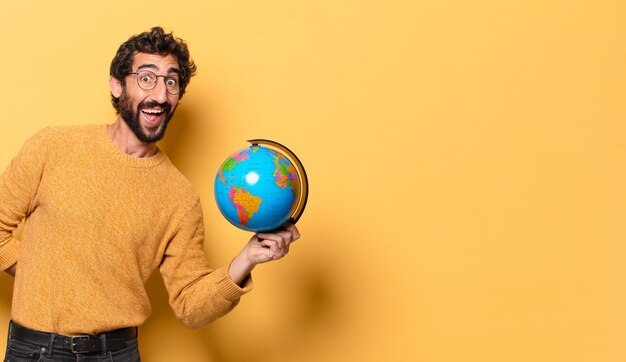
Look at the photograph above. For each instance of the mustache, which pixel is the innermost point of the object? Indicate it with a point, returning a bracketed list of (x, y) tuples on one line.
[(151, 104)]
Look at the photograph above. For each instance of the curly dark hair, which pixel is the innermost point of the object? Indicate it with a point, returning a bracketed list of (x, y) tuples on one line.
[(156, 41)]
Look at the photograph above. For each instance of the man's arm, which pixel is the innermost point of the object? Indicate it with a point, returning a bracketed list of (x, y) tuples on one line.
[(199, 294), (19, 184)]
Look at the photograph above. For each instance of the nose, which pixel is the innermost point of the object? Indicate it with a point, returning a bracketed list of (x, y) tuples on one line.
[(159, 92)]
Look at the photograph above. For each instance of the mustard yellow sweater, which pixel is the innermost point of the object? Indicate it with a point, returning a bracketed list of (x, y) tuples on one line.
[(98, 223)]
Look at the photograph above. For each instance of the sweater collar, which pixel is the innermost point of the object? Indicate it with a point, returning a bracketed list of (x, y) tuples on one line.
[(142, 162)]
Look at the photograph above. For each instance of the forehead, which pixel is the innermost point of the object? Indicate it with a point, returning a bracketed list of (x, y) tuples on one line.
[(155, 62)]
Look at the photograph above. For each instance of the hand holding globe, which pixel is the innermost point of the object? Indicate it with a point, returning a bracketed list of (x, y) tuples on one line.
[(261, 189)]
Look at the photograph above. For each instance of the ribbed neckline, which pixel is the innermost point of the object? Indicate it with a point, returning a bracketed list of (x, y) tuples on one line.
[(143, 162)]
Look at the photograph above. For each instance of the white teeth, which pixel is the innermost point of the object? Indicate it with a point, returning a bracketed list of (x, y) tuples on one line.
[(152, 111)]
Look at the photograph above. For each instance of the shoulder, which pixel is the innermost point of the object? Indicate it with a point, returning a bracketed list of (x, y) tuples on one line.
[(63, 134)]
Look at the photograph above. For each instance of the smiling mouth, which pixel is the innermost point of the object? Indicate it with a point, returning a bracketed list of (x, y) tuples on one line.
[(153, 115), (153, 111)]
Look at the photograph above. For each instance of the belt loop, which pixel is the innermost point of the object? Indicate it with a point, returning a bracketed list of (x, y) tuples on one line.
[(103, 338), (51, 345)]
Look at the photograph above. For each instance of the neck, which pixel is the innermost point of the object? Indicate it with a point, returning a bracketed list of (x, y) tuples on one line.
[(124, 138)]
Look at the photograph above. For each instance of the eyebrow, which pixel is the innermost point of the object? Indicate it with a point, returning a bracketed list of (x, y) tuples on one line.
[(154, 67)]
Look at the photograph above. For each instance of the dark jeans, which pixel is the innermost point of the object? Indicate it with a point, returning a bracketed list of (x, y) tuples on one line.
[(22, 351)]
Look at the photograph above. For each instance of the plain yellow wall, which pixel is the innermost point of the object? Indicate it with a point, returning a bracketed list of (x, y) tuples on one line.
[(466, 158)]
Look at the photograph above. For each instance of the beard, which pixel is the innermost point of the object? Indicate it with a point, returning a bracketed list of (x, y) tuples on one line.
[(131, 118)]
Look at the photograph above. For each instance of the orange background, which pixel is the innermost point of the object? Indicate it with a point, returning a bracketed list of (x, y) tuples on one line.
[(466, 161)]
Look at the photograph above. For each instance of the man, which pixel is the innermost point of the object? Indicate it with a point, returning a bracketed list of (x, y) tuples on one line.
[(103, 209)]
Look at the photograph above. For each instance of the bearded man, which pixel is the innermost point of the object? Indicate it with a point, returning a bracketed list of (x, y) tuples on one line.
[(103, 208)]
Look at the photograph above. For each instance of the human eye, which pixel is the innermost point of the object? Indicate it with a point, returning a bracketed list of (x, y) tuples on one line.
[(146, 77), (171, 82)]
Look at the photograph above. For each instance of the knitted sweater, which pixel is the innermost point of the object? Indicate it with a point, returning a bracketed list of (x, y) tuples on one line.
[(98, 223)]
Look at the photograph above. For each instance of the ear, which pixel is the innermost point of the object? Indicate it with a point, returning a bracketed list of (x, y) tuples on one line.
[(116, 87)]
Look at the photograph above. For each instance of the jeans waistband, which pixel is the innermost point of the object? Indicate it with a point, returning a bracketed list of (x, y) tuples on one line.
[(97, 343)]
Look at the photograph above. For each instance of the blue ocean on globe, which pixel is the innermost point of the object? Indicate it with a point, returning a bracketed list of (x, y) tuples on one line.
[(257, 189)]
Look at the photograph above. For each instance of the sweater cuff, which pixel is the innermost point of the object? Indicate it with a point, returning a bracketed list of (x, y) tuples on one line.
[(8, 254), (230, 290)]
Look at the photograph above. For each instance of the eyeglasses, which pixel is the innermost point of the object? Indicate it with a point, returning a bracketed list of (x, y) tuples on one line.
[(147, 80)]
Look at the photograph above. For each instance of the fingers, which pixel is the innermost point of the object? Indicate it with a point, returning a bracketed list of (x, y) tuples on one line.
[(282, 237), (277, 243), (295, 234), (271, 249)]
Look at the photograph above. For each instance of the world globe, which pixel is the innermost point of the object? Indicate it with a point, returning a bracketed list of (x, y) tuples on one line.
[(259, 188)]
